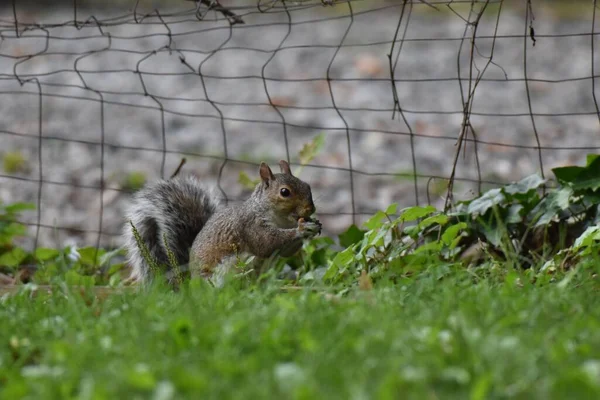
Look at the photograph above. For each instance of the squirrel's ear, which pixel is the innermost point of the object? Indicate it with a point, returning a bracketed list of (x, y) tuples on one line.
[(265, 173), (285, 167)]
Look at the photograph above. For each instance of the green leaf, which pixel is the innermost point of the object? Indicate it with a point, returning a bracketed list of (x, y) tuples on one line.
[(375, 221), (331, 272), (18, 207), (514, 214), (352, 235), (116, 268), (88, 253), (319, 257), (551, 205), (106, 257), (591, 158), (392, 209), (412, 231), (311, 149), (344, 257), (525, 185), (428, 247), (414, 213), (339, 263), (10, 231), (440, 219), (13, 258), (245, 181), (587, 238), (591, 199), (579, 178), (452, 232), (493, 233), (44, 254), (489, 199), (567, 175), (76, 279)]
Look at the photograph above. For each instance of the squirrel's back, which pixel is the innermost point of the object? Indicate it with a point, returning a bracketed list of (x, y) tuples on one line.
[(177, 209)]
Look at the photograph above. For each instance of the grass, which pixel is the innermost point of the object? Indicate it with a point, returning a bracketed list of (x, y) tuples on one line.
[(425, 338), (394, 310)]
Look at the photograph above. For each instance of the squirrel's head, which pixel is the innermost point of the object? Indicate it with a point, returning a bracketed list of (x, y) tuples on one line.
[(288, 195)]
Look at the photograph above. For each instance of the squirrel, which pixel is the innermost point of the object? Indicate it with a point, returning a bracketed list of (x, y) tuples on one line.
[(181, 218)]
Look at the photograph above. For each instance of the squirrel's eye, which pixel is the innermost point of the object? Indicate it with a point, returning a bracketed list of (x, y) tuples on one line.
[(285, 192)]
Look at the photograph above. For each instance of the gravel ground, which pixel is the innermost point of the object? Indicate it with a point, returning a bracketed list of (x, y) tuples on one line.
[(229, 104)]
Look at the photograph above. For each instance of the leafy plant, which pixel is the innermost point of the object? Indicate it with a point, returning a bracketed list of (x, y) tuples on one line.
[(44, 265), (246, 181), (310, 150), (518, 226), (11, 229), (14, 162), (520, 221), (134, 181), (389, 247)]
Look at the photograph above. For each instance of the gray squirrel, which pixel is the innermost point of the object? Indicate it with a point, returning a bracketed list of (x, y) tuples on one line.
[(203, 233)]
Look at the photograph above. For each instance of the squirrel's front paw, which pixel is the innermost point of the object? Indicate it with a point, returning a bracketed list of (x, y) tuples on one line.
[(309, 227)]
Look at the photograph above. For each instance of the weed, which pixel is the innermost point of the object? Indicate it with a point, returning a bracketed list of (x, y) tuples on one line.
[(15, 162), (134, 181)]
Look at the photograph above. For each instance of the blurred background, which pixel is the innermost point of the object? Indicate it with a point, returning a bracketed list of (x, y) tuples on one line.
[(99, 97)]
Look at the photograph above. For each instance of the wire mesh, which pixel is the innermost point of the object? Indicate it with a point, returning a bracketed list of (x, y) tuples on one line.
[(420, 101)]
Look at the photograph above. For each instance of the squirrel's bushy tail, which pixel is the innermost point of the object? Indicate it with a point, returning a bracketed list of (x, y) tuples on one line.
[(177, 208)]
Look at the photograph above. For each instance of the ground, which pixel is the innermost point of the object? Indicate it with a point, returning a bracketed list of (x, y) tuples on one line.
[(441, 334)]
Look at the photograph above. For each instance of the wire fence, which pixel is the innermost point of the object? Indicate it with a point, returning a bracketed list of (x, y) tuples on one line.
[(419, 101)]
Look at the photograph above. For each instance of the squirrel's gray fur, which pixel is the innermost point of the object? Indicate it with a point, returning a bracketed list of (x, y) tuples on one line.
[(192, 216), (177, 208)]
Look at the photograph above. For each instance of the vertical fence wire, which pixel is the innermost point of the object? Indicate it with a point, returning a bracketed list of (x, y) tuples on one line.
[(144, 44)]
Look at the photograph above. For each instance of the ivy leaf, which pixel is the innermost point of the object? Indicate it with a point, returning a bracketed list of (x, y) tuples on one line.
[(567, 175), (587, 238), (489, 199), (591, 158), (579, 178), (351, 235), (514, 214), (525, 185), (492, 233), (551, 205)]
